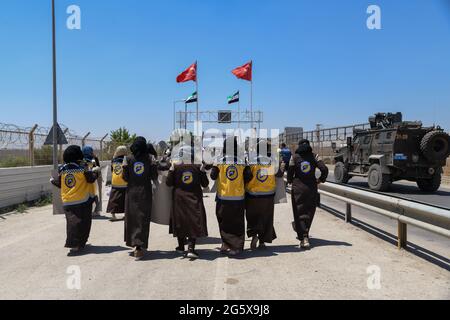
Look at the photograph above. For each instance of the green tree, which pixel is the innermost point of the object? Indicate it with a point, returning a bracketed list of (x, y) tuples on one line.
[(122, 136)]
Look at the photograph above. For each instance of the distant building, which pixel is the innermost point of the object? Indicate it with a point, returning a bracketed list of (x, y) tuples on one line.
[(291, 135)]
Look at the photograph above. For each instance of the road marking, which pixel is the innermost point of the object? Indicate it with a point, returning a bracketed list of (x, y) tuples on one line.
[(220, 285)]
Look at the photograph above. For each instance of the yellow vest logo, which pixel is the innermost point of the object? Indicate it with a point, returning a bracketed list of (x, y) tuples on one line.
[(139, 168), (262, 175), (187, 177), (305, 167), (232, 173), (118, 169), (70, 181)]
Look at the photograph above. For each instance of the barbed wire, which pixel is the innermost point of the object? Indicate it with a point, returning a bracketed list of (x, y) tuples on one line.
[(18, 137)]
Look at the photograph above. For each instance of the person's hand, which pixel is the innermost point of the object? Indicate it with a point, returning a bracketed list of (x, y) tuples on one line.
[(283, 166), (125, 161)]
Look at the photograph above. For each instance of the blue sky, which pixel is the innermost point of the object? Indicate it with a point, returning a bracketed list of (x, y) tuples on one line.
[(314, 61)]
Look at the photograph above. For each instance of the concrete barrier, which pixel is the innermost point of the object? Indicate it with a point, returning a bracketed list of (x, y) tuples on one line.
[(24, 184)]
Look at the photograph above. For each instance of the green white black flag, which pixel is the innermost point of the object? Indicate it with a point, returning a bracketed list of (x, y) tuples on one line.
[(234, 98), (192, 98)]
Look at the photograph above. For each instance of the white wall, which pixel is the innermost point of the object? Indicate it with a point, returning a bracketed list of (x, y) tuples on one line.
[(23, 184)]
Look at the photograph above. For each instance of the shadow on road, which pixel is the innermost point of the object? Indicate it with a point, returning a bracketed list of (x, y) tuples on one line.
[(90, 249), (101, 218), (415, 249), (274, 250), (205, 254), (209, 240), (325, 243)]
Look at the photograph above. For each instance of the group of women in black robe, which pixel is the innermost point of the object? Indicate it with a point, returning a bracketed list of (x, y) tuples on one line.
[(245, 191)]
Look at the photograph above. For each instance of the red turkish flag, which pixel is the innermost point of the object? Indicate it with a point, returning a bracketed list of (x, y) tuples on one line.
[(244, 72), (188, 74)]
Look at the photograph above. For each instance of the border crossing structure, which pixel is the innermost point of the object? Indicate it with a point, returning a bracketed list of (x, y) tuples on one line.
[(324, 140), (183, 118)]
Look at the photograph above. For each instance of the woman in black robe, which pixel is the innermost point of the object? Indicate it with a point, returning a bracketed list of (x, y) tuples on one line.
[(138, 171), (116, 203), (77, 200), (260, 198), (302, 176), (188, 220), (230, 205)]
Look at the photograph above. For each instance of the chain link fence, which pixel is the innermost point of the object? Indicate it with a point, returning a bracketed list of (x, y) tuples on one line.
[(324, 141), (24, 146)]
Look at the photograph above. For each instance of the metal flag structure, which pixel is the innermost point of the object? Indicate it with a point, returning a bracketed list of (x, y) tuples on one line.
[(233, 99), (190, 74)]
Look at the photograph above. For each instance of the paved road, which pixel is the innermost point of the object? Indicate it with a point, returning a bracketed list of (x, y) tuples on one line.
[(407, 190), (430, 246), (34, 264)]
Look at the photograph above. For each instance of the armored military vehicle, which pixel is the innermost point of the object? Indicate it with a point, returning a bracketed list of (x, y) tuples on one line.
[(393, 149)]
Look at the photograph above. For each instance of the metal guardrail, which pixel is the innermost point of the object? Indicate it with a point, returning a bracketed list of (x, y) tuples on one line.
[(427, 217)]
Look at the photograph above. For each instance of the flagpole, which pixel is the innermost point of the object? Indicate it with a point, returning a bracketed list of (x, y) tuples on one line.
[(174, 116), (196, 90), (251, 103), (185, 115), (239, 112), (55, 101)]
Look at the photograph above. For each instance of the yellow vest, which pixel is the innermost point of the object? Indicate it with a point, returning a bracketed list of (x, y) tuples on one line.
[(263, 181), (74, 187), (92, 186), (230, 185), (117, 180)]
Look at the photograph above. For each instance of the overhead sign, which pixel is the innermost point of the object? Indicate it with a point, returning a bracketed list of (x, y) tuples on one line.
[(60, 137), (224, 117)]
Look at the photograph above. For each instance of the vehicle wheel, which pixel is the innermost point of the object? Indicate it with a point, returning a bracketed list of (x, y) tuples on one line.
[(377, 180), (430, 185), (341, 173), (435, 146)]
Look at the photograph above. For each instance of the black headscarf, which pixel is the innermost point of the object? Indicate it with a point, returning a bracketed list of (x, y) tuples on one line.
[(151, 149), (304, 147), (73, 154), (139, 147)]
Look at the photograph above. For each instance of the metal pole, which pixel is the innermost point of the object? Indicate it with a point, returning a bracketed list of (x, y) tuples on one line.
[(239, 112), (185, 116), (61, 146), (174, 115), (348, 212), (251, 103), (83, 141), (196, 90), (31, 144), (101, 146), (55, 105), (402, 235)]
